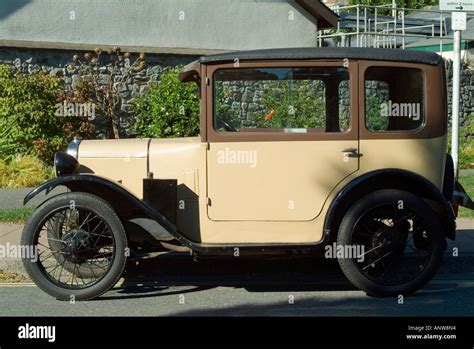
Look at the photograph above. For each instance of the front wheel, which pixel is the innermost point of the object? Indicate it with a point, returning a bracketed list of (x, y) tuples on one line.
[(399, 243), (82, 257)]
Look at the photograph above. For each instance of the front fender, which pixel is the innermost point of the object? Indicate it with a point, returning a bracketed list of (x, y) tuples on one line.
[(67, 180), (97, 185)]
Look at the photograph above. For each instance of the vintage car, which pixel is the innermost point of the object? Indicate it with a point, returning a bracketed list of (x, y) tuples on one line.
[(339, 150)]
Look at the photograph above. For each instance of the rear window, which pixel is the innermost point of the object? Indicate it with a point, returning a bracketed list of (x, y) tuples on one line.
[(394, 99)]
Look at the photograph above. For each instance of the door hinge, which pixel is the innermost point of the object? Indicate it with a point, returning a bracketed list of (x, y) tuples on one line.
[(208, 201), (208, 81)]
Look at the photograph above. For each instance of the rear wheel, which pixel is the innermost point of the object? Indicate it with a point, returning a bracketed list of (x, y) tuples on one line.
[(80, 246), (400, 241)]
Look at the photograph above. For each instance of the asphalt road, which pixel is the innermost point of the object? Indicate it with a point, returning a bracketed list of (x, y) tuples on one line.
[(224, 287), (175, 285)]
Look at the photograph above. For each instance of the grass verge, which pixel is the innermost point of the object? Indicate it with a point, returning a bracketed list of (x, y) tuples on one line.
[(15, 215), (9, 278), (467, 182)]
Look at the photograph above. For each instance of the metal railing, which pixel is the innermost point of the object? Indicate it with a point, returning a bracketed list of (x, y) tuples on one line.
[(371, 26)]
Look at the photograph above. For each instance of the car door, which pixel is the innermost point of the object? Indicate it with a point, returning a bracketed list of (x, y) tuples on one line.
[(281, 137)]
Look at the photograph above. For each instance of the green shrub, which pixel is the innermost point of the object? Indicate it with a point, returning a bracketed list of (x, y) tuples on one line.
[(28, 124), (169, 108), (466, 143), (23, 171)]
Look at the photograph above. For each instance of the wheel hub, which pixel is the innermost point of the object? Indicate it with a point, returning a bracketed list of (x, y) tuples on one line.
[(385, 238), (73, 245)]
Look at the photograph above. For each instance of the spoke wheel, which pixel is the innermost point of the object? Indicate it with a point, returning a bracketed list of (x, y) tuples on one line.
[(79, 240), (400, 240), (75, 247), (80, 246), (387, 234)]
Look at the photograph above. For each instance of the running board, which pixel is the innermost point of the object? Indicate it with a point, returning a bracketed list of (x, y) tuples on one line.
[(261, 247)]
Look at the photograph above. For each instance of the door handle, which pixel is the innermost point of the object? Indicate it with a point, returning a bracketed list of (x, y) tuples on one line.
[(353, 152)]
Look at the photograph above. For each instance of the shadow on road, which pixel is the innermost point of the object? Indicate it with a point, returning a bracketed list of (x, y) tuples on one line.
[(438, 300), (155, 277), (177, 274), (137, 290), (295, 276)]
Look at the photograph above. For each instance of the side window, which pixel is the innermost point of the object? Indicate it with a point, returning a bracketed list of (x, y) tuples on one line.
[(291, 100), (394, 99)]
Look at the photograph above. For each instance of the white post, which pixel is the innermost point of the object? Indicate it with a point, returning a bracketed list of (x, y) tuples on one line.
[(403, 29), (357, 30), (455, 100), (441, 29)]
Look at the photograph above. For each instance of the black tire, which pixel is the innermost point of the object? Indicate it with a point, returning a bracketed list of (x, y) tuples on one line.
[(116, 233), (431, 242)]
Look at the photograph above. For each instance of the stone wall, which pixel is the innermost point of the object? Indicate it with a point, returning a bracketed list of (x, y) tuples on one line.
[(57, 62), (466, 105)]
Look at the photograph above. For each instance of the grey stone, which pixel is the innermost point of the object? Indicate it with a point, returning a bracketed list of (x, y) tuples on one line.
[(56, 71), (236, 105), (155, 70), (247, 96), (253, 107), (237, 97), (104, 79), (33, 69), (125, 94)]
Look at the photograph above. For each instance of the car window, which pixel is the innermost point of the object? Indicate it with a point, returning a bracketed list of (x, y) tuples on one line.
[(394, 99), (282, 100)]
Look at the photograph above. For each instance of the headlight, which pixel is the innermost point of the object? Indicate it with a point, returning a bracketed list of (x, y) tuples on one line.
[(65, 164)]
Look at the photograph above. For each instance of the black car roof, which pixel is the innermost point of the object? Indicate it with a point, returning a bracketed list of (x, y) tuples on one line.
[(377, 54)]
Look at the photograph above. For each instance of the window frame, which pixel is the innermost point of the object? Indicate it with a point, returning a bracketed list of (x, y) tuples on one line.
[(435, 112), (424, 116), (266, 136)]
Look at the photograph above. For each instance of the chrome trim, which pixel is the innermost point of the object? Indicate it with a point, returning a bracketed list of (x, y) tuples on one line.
[(73, 147)]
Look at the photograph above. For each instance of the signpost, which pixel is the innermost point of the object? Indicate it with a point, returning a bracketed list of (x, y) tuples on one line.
[(458, 23), (456, 5)]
